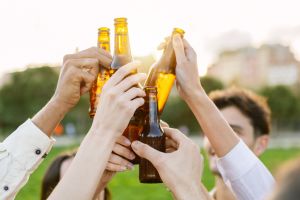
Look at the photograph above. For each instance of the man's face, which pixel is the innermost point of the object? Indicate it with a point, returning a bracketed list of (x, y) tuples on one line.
[(242, 127)]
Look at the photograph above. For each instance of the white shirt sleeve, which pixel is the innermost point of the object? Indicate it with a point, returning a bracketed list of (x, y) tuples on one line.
[(20, 154), (248, 177)]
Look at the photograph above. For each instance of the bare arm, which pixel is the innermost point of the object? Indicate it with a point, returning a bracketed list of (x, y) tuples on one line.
[(118, 102), (216, 129)]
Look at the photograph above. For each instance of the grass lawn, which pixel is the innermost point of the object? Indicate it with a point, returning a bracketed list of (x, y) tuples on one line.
[(126, 185)]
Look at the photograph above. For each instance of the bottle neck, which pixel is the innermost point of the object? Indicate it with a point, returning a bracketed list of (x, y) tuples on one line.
[(104, 38), (104, 42), (122, 52), (122, 45), (152, 118), (168, 59)]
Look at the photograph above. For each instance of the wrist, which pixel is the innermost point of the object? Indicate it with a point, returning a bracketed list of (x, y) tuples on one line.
[(194, 95), (98, 131), (188, 192), (60, 105)]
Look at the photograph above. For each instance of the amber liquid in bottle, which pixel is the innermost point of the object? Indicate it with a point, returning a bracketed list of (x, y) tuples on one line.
[(103, 75), (122, 56), (152, 135), (162, 73), (122, 51)]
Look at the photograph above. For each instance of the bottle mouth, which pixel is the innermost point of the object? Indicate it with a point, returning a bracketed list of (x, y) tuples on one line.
[(103, 29), (178, 31), (120, 20)]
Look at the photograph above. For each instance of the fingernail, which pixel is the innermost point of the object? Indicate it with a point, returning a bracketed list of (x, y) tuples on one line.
[(134, 144), (127, 141), (130, 166), (123, 168)]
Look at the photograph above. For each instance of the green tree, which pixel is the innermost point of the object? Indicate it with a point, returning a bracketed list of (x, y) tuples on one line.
[(284, 105), (210, 83), (27, 92)]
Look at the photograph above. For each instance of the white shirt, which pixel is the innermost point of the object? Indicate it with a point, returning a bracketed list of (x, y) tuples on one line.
[(246, 174), (20, 154)]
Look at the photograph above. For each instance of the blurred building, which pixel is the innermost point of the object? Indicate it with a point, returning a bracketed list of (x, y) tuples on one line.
[(255, 67)]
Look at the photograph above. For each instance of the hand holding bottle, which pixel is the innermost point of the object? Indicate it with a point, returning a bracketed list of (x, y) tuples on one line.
[(76, 77), (181, 170), (119, 100), (187, 75), (78, 74)]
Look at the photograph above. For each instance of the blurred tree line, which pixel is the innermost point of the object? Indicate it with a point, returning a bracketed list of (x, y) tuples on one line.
[(28, 91)]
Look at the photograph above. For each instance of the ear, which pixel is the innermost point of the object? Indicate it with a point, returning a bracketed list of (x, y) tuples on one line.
[(260, 145)]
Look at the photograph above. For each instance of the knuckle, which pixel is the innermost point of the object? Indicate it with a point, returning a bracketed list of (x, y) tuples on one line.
[(121, 140), (128, 110), (134, 79), (111, 94), (136, 90), (120, 102), (122, 71)]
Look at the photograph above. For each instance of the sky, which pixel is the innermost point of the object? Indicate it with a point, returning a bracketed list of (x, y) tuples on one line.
[(43, 31)]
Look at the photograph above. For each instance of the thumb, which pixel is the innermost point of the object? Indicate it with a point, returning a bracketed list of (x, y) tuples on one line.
[(145, 151)]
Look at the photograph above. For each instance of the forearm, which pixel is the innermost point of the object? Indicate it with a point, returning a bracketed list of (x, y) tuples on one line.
[(214, 126), (50, 115), (193, 191), (83, 176)]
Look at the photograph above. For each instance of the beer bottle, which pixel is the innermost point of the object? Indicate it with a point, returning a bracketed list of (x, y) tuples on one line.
[(122, 52), (103, 75), (162, 73), (122, 56), (152, 135)]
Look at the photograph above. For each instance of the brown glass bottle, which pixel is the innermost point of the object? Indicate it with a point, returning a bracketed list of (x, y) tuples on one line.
[(122, 56), (122, 51), (152, 135), (103, 75), (162, 73)]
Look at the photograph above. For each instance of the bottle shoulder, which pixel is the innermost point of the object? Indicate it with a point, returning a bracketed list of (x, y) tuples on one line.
[(152, 131)]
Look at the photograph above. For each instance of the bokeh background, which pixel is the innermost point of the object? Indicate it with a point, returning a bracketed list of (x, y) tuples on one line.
[(250, 43)]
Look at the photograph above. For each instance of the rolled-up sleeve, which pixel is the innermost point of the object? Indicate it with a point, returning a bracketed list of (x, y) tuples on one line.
[(247, 175), (20, 154)]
